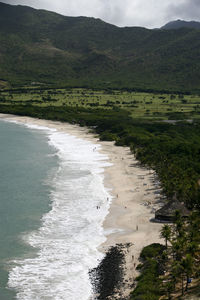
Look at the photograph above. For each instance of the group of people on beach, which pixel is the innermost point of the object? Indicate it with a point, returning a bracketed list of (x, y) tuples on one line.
[(98, 206)]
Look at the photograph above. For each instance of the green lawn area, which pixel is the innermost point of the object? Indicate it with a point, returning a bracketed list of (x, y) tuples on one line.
[(139, 104)]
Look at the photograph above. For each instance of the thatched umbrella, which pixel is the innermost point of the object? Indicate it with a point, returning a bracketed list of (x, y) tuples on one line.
[(167, 212)]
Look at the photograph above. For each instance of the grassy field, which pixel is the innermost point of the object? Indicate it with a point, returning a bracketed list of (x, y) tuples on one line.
[(140, 105)]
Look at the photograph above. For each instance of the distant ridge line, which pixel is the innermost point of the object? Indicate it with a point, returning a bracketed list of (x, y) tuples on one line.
[(181, 24)]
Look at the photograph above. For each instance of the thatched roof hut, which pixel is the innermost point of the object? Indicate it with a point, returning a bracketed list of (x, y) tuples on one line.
[(167, 212)]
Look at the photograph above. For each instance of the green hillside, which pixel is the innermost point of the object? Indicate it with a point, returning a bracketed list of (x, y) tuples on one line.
[(45, 47)]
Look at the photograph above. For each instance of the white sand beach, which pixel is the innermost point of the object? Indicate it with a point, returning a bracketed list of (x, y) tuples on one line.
[(135, 191)]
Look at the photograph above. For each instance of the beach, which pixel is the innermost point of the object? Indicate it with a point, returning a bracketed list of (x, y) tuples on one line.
[(135, 193)]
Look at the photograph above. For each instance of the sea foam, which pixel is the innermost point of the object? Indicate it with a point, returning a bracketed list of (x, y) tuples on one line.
[(71, 232)]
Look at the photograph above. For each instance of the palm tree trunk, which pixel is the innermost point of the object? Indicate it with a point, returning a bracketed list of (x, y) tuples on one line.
[(182, 286), (186, 288)]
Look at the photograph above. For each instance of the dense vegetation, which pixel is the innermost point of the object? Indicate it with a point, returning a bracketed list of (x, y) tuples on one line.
[(181, 258), (42, 46), (149, 283), (168, 272)]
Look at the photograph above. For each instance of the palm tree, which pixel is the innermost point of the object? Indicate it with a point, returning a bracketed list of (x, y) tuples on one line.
[(194, 225), (188, 264), (177, 273), (178, 247), (179, 224), (166, 233), (192, 248)]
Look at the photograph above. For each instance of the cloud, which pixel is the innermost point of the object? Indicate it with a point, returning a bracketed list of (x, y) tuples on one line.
[(187, 10), (147, 13)]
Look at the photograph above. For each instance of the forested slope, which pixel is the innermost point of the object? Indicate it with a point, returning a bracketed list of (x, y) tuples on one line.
[(45, 47)]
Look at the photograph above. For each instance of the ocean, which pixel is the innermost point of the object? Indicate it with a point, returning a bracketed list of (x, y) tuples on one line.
[(52, 206)]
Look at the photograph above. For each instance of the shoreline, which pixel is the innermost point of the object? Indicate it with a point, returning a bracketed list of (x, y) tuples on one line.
[(135, 195)]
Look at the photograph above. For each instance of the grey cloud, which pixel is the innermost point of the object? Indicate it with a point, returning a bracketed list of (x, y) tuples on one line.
[(20, 2), (188, 10), (147, 13)]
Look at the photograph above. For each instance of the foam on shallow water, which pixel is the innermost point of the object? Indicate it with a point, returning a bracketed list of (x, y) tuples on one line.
[(71, 232)]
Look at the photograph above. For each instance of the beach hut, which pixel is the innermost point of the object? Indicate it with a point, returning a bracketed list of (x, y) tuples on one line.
[(166, 213)]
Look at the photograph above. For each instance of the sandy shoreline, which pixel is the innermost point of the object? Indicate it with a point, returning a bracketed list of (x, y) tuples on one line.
[(135, 192)]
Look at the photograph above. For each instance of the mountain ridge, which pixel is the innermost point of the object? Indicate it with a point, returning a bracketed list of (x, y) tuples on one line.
[(43, 46), (177, 24)]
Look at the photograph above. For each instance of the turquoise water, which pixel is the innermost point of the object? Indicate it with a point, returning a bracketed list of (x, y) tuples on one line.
[(26, 161), (51, 184)]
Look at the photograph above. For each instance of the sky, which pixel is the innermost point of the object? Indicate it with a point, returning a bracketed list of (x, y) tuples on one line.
[(145, 13)]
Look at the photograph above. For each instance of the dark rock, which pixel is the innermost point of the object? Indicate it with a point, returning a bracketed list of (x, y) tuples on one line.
[(107, 278)]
